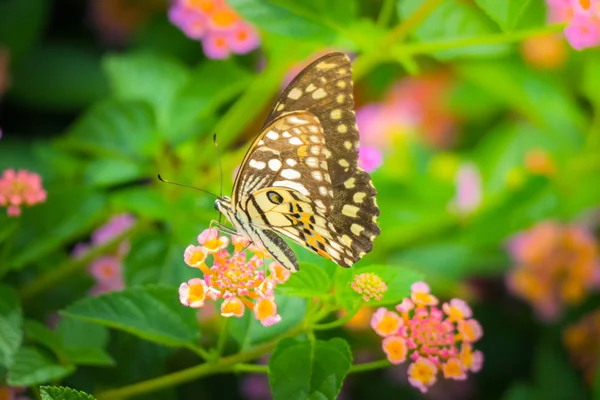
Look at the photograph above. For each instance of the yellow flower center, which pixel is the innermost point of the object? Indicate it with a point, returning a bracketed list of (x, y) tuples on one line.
[(265, 309), (388, 325), (197, 293), (423, 372)]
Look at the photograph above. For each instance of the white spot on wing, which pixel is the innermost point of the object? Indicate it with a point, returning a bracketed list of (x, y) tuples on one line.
[(272, 135), (274, 164), (295, 94), (291, 162), (290, 174), (292, 185), (257, 164), (319, 94), (295, 141)]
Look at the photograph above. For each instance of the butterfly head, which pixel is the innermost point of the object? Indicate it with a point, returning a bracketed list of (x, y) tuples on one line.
[(223, 204)]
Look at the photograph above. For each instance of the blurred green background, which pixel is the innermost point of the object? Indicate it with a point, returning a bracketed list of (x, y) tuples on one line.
[(487, 123)]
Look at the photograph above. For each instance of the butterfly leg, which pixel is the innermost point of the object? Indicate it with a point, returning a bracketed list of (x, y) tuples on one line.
[(222, 228)]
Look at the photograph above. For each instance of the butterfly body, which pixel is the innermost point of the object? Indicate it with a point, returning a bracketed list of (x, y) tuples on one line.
[(300, 177)]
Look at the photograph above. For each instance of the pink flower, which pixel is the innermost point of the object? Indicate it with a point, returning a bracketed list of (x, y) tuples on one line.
[(115, 226), (369, 158), (193, 293), (265, 310), (432, 339), (20, 188), (218, 26), (107, 270), (386, 323), (468, 188), (241, 283), (243, 38), (194, 256), (583, 32)]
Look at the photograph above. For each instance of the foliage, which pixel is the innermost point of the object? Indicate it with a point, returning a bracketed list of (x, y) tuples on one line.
[(494, 89)]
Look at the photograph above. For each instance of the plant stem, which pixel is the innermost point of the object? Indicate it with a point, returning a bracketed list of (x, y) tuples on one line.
[(333, 324), (222, 337), (225, 364), (72, 266), (364, 63), (370, 366), (253, 368), (387, 10), (205, 355), (401, 51)]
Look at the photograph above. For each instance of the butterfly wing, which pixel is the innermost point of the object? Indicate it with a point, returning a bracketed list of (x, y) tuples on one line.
[(325, 89)]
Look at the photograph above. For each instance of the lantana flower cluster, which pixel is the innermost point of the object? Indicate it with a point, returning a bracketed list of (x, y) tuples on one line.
[(20, 188), (556, 265), (434, 339), (582, 340), (415, 104), (582, 18), (107, 269), (221, 30), (369, 285), (240, 282)]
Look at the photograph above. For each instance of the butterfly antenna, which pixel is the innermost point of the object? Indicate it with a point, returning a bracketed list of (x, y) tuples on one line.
[(220, 163), (220, 169), (160, 178)]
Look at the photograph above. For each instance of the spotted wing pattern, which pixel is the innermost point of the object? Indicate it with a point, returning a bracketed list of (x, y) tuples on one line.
[(325, 89)]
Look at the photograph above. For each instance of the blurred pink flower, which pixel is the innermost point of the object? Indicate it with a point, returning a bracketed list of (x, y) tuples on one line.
[(369, 158), (413, 105), (468, 189), (555, 266), (221, 30), (20, 188), (108, 273), (582, 18)]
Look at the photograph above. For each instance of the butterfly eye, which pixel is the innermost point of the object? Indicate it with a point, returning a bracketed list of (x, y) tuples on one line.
[(275, 197), (217, 205)]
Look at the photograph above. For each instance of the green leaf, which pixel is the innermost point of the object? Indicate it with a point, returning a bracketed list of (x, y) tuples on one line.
[(286, 18), (77, 334), (22, 25), (148, 78), (61, 77), (248, 332), (153, 313), (310, 281), (145, 201), (115, 128), (397, 279), (591, 77), (32, 367), (521, 391), (63, 393), (107, 172), (39, 333), (555, 379), (92, 356), (67, 214), (11, 320), (454, 19), (309, 370), (506, 13)]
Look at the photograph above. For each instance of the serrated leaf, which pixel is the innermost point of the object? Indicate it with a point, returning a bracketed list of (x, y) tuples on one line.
[(284, 18), (149, 78), (248, 332), (63, 393), (11, 321), (397, 279), (310, 281), (153, 313), (454, 19), (32, 367), (124, 129), (309, 370), (506, 13)]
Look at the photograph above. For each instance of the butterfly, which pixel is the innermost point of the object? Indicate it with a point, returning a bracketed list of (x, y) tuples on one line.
[(300, 176)]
